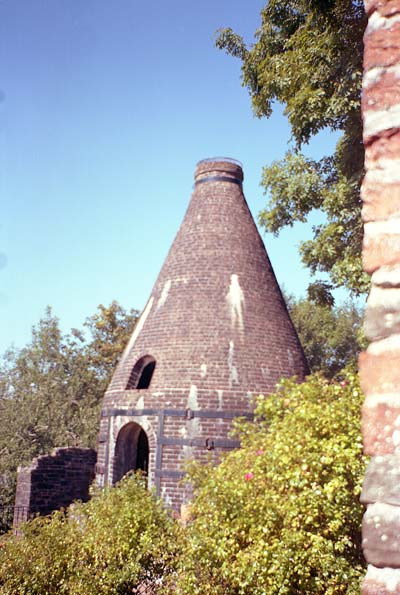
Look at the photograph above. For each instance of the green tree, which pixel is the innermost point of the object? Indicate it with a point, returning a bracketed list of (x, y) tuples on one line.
[(109, 331), (282, 515), (121, 539), (332, 337), (308, 57), (51, 390)]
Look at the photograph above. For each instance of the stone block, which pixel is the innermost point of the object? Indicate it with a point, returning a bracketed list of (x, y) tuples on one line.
[(382, 316), (383, 47), (381, 201), (383, 7), (382, 480), (381, 322), (380, 372), (387, 277), (381, 581), (380, 436), (381, 90), (381, 535), (381, 246)]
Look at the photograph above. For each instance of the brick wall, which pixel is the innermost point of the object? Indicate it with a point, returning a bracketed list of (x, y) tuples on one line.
[(54, 481), (380, 364)]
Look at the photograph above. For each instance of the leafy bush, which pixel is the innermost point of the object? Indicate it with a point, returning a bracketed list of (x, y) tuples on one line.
[(119, 539), (281, 515)]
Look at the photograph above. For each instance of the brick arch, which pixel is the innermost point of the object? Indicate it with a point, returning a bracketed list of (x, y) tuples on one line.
[(141, 373), (127, 439), (131, 451)]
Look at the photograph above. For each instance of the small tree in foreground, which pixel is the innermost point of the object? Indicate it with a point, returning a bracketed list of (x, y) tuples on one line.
[(282, 514), (120, 539)]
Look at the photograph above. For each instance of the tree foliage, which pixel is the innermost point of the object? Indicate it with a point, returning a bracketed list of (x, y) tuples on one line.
[(332, 337), (120, 539), (308, 56), (51, 390), (281, 515)]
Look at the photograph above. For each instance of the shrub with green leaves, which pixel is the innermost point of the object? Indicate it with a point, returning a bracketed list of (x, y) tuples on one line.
[(279, 516), (121, 538), (282, 514)]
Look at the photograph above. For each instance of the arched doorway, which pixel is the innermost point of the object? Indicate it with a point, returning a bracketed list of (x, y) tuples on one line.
[(131, 451)]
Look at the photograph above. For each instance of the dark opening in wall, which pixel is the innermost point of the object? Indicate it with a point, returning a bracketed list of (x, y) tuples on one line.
[(142, 373), (131, 451)]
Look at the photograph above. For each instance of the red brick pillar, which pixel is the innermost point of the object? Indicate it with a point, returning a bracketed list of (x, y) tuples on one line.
[(380, 364)]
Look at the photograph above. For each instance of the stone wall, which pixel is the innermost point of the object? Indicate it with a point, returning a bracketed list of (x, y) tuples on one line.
[(54, 481), (380, 364)]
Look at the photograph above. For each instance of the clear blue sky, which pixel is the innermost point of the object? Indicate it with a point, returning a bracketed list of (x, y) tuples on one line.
[(105, 109)]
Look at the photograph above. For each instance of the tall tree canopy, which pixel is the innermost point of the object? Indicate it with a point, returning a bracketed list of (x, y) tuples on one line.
[(308, 56), (332, 337)]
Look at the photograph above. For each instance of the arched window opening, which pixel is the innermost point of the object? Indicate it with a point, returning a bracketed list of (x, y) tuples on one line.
[(146, 375), (131, 451), (142, 373)]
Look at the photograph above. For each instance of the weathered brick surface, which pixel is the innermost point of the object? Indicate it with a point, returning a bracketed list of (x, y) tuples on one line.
[(381, 246), (54, 481), (383, 7), (381, 581), (382, 480), (380, 426), (381, 535), (382, 46), (217, 326), (379, 365), (379, 372)]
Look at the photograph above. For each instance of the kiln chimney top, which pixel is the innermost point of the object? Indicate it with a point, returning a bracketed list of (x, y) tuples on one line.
[(218, 169)]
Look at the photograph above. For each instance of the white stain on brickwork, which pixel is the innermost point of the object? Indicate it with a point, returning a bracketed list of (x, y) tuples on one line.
[(192, 402), (140, 403), (391, 343), (376, 121), (384, 398), (138, 328), (375, 228), (111, 444), (233, 373), (375, 74), (203, 370), (165, 497), (193, 424), (376, 21), (396, 438), (389, 577), (384, 296), (387, 276), (235, 298), (220, 401), (380, 510), (164, 294)]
